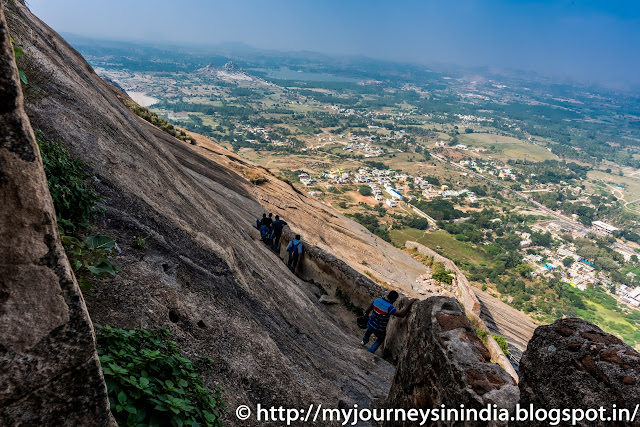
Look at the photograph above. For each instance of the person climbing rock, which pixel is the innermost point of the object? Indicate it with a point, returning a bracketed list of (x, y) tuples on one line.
[(267, 220), (264, 225), (294, 248), (276, 233), (382, 309)]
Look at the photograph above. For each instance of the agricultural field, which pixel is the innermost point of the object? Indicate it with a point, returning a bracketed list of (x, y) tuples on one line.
[(442, 241), (506, 147), (626, 188)]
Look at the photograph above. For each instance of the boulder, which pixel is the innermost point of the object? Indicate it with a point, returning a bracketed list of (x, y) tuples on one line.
[(574, 364), (443, 361), (49, 369)]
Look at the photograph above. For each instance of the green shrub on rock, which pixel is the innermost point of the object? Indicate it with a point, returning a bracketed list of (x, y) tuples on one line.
[(70, 186), (151, 384)]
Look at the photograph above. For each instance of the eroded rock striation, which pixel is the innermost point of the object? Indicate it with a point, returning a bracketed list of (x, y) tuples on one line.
[(444, 362), (49, 369), (574, 364)]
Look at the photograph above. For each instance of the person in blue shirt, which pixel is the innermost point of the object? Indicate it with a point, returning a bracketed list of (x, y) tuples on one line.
[(382, 309), (294, 248)]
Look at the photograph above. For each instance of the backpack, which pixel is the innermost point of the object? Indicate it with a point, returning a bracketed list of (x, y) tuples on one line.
[(293, 250), (363, 321), (264, 232)]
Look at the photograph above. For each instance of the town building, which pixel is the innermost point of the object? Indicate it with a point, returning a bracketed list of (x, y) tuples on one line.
[(393, 193), (633, 297), (603, 228)]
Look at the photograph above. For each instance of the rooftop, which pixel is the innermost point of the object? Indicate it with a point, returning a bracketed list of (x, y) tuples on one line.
[(604, 225)]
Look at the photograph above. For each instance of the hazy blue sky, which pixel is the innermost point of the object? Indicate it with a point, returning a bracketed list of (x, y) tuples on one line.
[(579, 39)]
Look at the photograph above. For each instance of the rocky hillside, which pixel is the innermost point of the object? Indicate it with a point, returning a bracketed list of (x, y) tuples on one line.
[(205, 276)]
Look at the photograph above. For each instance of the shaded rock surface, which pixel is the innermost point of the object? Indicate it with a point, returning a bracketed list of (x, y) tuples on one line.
[(574, 364), (49, 369), (444, 362)]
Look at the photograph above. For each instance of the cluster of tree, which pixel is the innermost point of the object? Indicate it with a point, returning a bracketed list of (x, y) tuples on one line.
[(365, 191), (240, 113), (416, 222), (599, 253), (376, 165), (439, 209), (628, 235), (550, 171)]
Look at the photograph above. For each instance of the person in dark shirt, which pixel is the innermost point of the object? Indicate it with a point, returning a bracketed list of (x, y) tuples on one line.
[(267, 220), (276, 233), (382, 309), (260, 221)]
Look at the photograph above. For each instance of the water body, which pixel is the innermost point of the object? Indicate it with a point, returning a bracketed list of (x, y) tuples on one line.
[(288, 74), (142, 98)]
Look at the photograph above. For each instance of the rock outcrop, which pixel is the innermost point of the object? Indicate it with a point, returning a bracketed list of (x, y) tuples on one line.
[(463, 291), (49, 369), (444, 362), (574, 364)]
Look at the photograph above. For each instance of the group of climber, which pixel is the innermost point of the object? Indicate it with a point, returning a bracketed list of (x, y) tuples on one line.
[(381, 309), (271, 233)]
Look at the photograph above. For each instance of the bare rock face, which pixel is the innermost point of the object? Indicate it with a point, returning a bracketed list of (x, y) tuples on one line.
[(444, 362), (49, 369), (574, 364)]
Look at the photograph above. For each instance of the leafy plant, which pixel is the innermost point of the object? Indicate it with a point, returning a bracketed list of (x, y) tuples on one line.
[(482, 334), (443, 276), (502, 342), (90, 257), (18, 52), (151, 384), (70, 186)]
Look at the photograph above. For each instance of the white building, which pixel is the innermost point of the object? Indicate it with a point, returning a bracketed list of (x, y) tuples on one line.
[(393, 193), (603, 228), (633, 297)]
